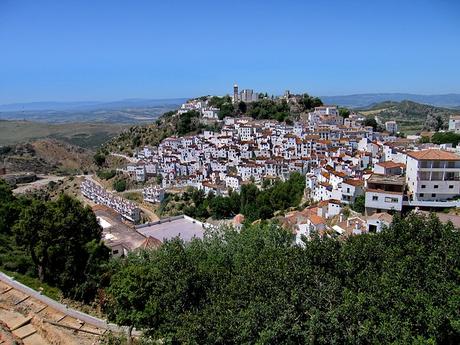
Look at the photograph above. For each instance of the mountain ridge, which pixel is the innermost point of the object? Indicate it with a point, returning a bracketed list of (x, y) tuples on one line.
[(449, 100)]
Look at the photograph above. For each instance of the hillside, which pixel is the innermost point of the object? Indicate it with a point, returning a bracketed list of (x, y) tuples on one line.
[(152, 134), (86, 135), (411, 116), (46, 156)]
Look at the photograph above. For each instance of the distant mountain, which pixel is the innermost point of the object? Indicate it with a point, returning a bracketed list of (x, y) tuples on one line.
[(365, 100), (90, 105), (125, 111)]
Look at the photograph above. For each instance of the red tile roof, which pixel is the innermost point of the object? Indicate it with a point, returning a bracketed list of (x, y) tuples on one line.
[(434, 154)]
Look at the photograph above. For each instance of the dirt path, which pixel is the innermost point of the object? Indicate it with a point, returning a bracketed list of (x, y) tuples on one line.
[(42, 182)]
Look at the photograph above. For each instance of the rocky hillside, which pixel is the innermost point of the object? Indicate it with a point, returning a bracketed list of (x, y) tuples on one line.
[(45, 157), (152, 134), (411, 116)]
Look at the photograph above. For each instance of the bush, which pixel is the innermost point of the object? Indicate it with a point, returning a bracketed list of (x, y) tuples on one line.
[(119, 185), (106, 174)]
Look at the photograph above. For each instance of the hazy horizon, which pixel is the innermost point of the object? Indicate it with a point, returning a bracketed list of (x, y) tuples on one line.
[(106, 51)]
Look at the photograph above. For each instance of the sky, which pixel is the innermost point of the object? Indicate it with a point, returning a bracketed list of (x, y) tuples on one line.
[(110, 50)]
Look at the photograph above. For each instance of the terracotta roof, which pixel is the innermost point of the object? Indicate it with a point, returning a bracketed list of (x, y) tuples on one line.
[(151, 242), (238, 219), (354, 182), (391, 164), (316, 220), (434, 154)]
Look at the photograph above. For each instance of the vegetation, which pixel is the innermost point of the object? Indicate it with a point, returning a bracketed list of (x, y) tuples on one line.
[(167, 125), (106, 174), (47, 157), (99, 159), (344, 112), (411, 116), (86, 135), (218, 102), (35, 283), (251, 202), (372, 122), (446, 138), (308, 102), (269, 109), (188, 122), (58, 242), (119, 185), (359, 204), (397, 287)]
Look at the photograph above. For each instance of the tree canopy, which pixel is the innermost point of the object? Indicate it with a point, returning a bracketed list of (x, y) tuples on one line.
[(58, 241), (250, 201), (372, 122), (256, 286), (268, 109), (308, 102), (446, 138)]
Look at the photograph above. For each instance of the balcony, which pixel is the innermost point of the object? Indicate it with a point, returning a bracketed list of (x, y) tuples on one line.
[(425, 203)]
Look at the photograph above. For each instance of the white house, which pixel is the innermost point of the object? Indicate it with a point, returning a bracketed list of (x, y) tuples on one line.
[(384, 193), (454, 123), (391, 127), (433, 178)]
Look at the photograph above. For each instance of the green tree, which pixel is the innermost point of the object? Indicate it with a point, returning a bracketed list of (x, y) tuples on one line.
[(446, 138), (99, 159), (395, 287), (242, 107), (226, 110), (359, 204), (308, 102), (188, 122), (63, 239), (119, 185), (372, 122), (344, 112)]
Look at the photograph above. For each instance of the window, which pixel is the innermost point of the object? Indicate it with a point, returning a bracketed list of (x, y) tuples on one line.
[(391, 200), (422, 195), (436, 186), (372, 228), (115, 252), (433, 195), (451, 186), (375, 198), (423, 186)]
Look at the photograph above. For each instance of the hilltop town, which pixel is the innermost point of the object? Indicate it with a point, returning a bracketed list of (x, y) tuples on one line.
[(357, 173)]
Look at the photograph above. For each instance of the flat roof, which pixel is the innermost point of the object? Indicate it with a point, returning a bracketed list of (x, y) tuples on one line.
[(386, 179), (167, 229), (117, 232)]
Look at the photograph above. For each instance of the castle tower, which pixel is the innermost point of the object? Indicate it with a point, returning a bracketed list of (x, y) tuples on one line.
[(235, 93)]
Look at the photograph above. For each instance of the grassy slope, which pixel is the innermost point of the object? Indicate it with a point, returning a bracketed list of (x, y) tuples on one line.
[(87, 135)]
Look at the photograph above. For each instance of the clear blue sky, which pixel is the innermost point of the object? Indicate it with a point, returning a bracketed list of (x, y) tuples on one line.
[(108, 50)]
